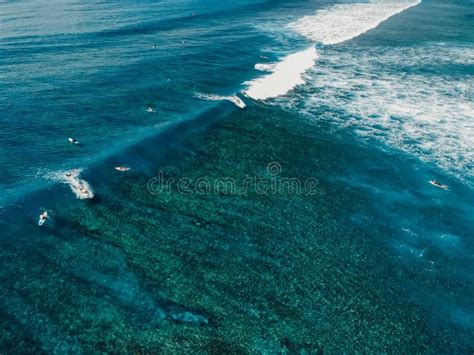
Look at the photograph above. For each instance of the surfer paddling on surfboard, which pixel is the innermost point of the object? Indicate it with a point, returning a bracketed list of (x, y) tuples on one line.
[(42, 218), (150, 108), (439, 185)]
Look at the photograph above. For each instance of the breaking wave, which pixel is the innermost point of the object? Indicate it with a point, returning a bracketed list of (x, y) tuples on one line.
[(286, 74), (340, 23), (336, 24)]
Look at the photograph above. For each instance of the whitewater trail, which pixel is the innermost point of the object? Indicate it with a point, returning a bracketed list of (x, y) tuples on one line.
[(212, 97), (79, 187), (336, 24)]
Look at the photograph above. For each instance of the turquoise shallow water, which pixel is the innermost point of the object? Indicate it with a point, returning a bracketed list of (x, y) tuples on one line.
[(371, 259)]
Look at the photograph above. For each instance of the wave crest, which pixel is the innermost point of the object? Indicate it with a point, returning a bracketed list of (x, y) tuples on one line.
[(285, 76)]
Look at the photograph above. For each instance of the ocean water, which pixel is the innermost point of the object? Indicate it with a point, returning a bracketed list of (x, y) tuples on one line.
[(366, 100)]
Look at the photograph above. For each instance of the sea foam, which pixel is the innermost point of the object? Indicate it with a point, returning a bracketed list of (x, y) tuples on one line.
[(340, 23), (285, 76), (264, 67), (336, 24), (422, 113)]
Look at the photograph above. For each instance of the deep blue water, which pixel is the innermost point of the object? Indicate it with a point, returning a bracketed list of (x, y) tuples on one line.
[(89, 70), (398, 99)]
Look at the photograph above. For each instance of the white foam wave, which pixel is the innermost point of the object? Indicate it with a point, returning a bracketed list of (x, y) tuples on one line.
[(427, 114), (285, 76), (79, 187), (340, 23)]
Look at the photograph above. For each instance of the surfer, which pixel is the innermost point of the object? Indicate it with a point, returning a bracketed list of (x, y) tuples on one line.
[(237, 101), (73, 140), (122, 168), (80, 187), (42, 218), (85, 192), (150, 109), (439, 185)]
